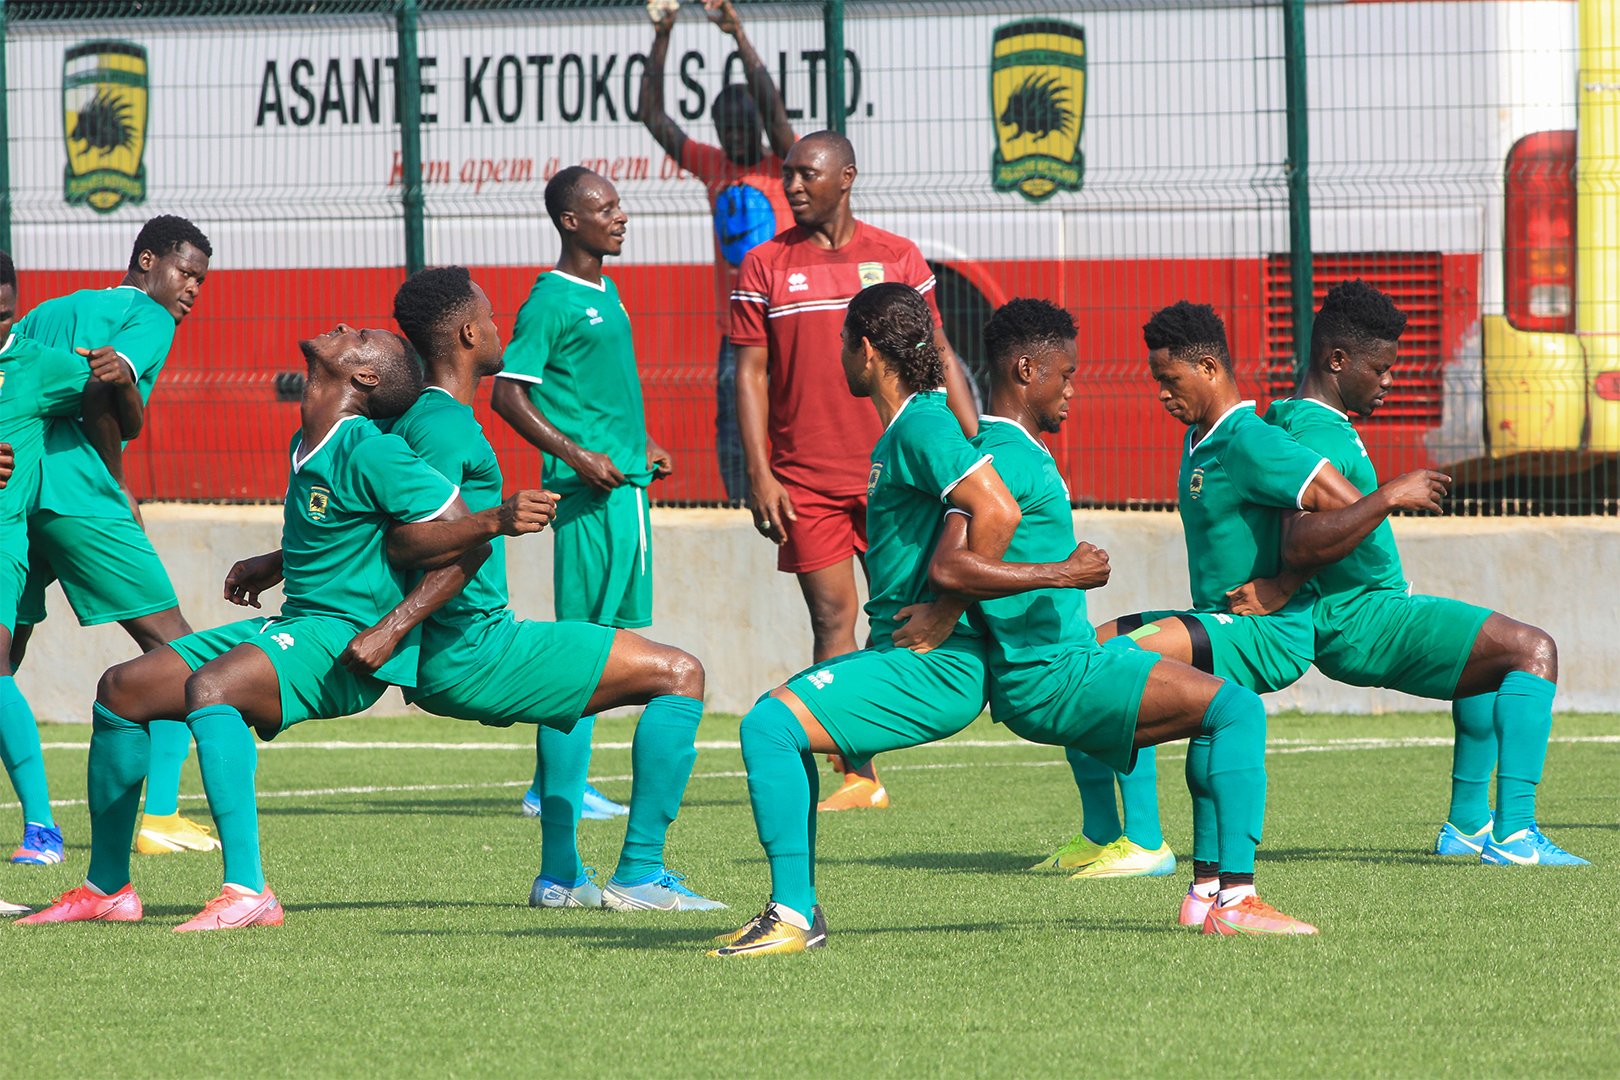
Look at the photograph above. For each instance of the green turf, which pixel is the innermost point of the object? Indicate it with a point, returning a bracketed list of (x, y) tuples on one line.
[(409, 949)]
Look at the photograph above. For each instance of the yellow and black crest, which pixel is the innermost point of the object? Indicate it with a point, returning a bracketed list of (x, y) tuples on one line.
[(871, 274), (873, 477), (1038, 104), (319, 499), (1195, 483), (104, 107)]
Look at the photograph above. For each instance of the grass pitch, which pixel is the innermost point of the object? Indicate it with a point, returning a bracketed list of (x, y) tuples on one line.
[(409, 949)]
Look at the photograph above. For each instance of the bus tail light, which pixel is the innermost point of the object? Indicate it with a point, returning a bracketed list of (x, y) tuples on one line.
[(1607, 385), (1539, 248)]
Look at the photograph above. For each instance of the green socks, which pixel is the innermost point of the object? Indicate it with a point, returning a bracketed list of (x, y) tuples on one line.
[(776, 753), (21, 755), (171, 742), (1099, 813), (562, 766), (119, 752), (661, 760), (1206, 836), (1139, 791), (228, 758), (1473, 759), (1235, 774), (1523, 725)]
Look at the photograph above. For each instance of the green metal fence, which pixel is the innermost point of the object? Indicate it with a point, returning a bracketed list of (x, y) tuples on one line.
[(1113, 157)]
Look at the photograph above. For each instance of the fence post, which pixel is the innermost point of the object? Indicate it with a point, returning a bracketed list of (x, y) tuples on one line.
[(832, 23), (5, 142), (1297, 171), (408, 100)]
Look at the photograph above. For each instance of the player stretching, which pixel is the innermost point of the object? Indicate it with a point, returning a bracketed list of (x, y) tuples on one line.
[(1050, 680), (807, 442), (1499, 674), (481, 663), (571, 389), (349, 483), (36, 383), (85, 531), (1238, 475), (885, 696)]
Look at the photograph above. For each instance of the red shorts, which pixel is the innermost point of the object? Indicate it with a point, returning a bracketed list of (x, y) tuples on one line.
[(828, 530)]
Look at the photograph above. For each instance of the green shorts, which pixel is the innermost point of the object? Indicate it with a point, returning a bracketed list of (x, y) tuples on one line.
[(1264, 653), (1089, 700), (524, 672), (886, 698), (13, 570), (107, 566), (1415, 644), (602, 568), (304, 651)]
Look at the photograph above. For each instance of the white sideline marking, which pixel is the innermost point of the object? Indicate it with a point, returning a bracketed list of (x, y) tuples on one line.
[(1276, 746)]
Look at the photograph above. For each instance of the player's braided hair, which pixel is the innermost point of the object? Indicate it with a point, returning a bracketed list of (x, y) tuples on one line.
[(432, 304), (1024, 327), (1355, 317), (8, 272), (561, 189), (1189, 331), (900, 325), (164, 234)]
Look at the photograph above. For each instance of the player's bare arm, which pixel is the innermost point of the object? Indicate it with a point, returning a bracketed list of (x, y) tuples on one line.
[(667, 133), (512, 403), (429, 545), (778, 128), (372, 647), (958, 391), (957, 570), (112, 412), (8, 462), (661, 460), (768, 499), (251, 577)]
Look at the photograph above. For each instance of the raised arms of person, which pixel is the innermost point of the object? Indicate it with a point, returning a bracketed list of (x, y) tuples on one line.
[(430, 545), (778, 128), (371, 648), (512, 403), (957, 570), (958, 389), (668, 133)]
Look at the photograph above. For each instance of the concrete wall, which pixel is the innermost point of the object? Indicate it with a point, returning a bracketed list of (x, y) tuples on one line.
[(719, 596)]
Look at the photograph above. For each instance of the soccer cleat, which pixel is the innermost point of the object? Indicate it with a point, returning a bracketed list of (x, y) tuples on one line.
[(1195, 908), (1073, 855), (170, 833), (858, 793), (554, 894), (1527, 847), (7, 910), (41, 846), (234, 909), (1453, 841), (818, 929), (766, 934), (663, 893), (594, 807), (1123, 859), (1252, 915), (84, 904)]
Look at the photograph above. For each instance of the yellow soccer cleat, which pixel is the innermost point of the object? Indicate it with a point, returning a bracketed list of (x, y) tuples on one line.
[(766, 934), (171, 833), (1073, 855), (1123, 859), (858, 793)]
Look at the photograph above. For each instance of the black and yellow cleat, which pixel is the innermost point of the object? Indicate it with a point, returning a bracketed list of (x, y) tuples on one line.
[(765, 933)]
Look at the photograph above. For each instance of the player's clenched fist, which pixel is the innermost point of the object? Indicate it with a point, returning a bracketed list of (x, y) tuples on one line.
[(107, 366), (8, 461), (1420, 489), (1087, 567), (528, 511)]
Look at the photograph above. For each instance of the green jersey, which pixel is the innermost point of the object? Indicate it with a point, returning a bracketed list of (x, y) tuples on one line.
[(572, 347), (35, 383), (341, 497), (916, 464), (1234, 481), (1375, 564), (448, 437), (74, 482)]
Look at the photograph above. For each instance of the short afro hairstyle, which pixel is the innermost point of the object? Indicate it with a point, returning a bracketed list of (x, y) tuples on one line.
[(562, 189), (900, 325), (8, 271), (1025, 326), (431, 304), (1189, 331), (1356, 318), (163, 235)]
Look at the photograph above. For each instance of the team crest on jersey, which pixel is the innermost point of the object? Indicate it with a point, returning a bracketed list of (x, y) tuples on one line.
[(320, 499), (1195, 483), (104, 106), (873, 477), (871, 274), (1037, 107)]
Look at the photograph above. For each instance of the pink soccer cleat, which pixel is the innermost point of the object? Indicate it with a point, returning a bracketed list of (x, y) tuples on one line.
[(1252, 915), (1194, 908), (84, 904), (234, 909)]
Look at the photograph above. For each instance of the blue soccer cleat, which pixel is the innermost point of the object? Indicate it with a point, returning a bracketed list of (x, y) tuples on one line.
[(594, 807), (1527, 847), (663, 892), (41, 846), (584, 893), (1453, 841)]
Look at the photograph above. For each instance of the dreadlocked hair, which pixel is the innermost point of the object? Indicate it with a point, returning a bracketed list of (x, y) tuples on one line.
[(1355, 317), (1189, 331), (432, 305), (900, 325)]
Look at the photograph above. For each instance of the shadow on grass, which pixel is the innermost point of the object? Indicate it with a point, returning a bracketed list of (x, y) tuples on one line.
[(962, 862), (1376, 856)]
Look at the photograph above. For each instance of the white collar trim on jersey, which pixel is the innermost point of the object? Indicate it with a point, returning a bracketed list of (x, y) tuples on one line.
[(1195, 445), (331, 431), (7, 346), (440, 389), (903, 404), (1329, 408), (599, 287), (991, 419)]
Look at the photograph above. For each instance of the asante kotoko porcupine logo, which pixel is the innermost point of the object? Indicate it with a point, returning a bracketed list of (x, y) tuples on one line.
[(1038, 105), (104, 109)]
